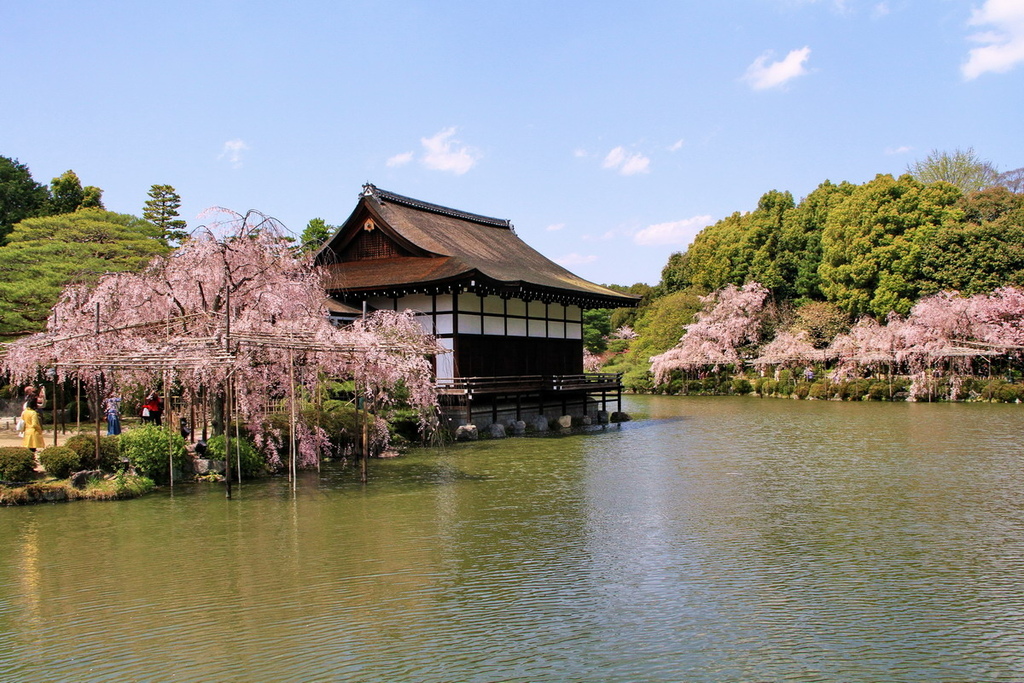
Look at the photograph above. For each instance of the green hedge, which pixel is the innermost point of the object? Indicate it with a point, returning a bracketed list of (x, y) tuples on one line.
[(17, 463), (148, 449), (110, 451), (60, 461), (253, 464)]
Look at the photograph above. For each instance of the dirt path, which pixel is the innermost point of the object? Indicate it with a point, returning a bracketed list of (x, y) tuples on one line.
[(9, 437)]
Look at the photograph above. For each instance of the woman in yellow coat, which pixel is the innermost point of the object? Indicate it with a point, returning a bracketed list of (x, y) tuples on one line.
[(33, 428)]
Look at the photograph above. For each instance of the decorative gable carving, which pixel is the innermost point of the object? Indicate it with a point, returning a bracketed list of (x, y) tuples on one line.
[(371, 243)]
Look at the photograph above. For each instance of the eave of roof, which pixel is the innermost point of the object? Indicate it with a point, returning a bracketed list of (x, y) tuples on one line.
[(464, 246)]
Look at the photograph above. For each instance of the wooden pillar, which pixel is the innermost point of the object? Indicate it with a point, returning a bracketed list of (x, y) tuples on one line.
[(291, 408), (99, 413), (56, 402), (168, 421), (227, 437)]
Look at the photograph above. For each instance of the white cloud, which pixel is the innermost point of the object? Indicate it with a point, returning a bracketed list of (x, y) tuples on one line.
[(902, 149), (614, 158), (625, 163), (676, 146), (672, 233), (1002, 47), (400, 159), (880, 10), (444, 153), (604, 237), (555, 226), (579, 153), (232, 151), (575, 259), (762, 74)]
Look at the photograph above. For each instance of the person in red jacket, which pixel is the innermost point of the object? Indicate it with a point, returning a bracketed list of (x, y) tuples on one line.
[(152, 408)]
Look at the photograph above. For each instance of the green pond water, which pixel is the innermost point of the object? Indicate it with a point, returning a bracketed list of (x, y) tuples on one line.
[(712, 539)]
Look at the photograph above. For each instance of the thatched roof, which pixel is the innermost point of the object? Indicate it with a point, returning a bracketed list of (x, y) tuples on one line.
[(423, 247)]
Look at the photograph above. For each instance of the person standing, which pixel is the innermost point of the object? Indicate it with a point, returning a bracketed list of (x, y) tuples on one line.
[(33, 426), (112, 409), (157, 409), (36, 396), (151, 410)]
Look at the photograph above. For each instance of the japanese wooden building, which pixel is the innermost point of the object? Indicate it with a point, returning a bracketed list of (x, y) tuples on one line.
[(512, 318)]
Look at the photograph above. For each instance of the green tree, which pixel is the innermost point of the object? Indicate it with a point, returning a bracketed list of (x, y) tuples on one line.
[(821, 320), (596, 327), (758, 259), (316, 233), (874, 243), (711, 262), (67, 195), (161, 209), (627, 316), (46, 253), (661, 325), (20, 195), (800, 243), (983, 252), (962, 168), (1012, 180)]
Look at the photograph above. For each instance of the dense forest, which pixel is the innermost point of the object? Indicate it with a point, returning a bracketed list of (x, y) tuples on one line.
[(842, 254)]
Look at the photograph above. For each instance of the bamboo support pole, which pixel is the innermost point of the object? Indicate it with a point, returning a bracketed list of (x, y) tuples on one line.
[(168, 421), (227, 436), (291, 401)]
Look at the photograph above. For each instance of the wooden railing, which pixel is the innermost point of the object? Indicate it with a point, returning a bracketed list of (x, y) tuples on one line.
[(595, 381)]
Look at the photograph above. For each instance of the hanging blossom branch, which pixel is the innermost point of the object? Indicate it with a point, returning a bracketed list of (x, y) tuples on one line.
[(174, 317)]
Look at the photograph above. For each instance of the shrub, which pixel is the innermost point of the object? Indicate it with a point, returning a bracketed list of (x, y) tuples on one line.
[(1009, 393), (854, 390), (802, 389), (404, 424), (16, 463), (252, 463), (879, 391), (147, 448), (59, 461), (741, 386), (85, 446), (785, 388), (785, 375), (819, 389), (638, 380), (990, 392), (618, 345)]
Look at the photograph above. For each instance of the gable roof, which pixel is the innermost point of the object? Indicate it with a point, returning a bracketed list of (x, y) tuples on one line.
[(433, 247)]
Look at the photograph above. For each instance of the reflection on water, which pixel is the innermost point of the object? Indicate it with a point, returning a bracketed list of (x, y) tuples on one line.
[(716, 540)]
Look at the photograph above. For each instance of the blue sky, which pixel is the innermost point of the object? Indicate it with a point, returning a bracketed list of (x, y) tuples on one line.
[(608, 132)]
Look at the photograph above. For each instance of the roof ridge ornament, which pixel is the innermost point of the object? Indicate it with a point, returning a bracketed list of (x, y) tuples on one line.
[(384, 196)]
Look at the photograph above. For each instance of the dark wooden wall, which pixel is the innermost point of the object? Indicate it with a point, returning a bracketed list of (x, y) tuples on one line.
[(492, 356)]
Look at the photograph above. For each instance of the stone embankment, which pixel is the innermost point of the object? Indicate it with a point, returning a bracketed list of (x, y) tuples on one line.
[(539, 425)]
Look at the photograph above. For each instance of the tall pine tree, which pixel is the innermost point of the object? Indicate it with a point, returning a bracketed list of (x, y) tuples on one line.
[(162, 210)]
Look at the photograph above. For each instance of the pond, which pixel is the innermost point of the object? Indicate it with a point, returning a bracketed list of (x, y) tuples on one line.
[(713, 539)]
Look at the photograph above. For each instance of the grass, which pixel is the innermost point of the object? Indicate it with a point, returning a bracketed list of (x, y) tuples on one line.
[(116, 487)]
